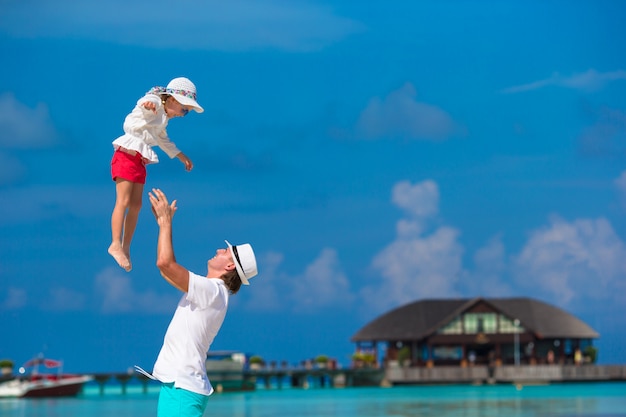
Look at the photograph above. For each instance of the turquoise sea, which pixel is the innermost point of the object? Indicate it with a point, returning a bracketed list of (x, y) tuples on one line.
[(571, 400)]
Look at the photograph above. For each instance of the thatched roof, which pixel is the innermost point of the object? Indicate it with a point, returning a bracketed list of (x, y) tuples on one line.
[(418, 320)]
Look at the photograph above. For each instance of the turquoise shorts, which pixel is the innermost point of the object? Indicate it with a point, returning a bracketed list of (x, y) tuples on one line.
[(178, 402)]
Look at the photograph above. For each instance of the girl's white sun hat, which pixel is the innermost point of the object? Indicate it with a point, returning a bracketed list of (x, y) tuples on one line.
[(184, 91)]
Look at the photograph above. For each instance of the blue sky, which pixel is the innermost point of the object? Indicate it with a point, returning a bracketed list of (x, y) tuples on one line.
[(373, 154)]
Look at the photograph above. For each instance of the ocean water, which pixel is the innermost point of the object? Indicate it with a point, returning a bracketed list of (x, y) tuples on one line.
[(566, 400)]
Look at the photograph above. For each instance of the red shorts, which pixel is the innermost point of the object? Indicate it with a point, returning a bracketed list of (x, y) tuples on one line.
[(128, 167)]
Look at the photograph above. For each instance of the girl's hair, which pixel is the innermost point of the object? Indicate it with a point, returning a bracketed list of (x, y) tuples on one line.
[(232, 281)]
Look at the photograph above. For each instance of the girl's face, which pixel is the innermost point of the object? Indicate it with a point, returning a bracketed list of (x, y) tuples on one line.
[(174, 109)]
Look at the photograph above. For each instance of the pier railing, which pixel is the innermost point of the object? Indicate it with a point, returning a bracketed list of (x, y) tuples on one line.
[(505, 374)]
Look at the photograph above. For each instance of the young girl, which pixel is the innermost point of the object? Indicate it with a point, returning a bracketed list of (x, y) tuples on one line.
[(144, 128)]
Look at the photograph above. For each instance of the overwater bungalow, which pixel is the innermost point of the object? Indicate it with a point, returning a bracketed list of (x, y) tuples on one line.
[(478, 331)]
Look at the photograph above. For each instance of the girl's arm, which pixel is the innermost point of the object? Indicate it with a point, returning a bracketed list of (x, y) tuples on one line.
[(185, 160), (167, 145)]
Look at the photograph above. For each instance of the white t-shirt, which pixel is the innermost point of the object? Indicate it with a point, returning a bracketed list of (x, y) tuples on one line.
[(197, 319)]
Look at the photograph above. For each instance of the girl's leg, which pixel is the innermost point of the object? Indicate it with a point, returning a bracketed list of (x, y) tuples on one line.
[(123, 190), (131, 217)]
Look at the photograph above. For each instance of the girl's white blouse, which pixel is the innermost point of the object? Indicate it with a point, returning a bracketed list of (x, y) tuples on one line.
[(144, 129)]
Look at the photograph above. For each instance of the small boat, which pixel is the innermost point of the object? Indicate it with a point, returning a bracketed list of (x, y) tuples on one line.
[(36, 384)]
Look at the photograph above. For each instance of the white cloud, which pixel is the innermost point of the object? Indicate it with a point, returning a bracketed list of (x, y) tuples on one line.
[(564, 261), (117, 295), (583, 259), (422, 267), (192, 24), (16, 299), (420, 200), (416, 265), (322, 283), (490, 266), (400, 115), (590, 80), (265, 295), (491, 256), (64, 299), (23, 127)]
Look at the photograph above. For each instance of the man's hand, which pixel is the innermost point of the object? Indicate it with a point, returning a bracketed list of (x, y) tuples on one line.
[(161, 208), (163, 211)]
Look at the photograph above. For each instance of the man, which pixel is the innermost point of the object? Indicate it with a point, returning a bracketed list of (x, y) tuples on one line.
[(180, 365)]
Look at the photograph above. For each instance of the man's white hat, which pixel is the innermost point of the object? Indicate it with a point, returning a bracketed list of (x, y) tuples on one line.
[(184, 91), (245, 261)]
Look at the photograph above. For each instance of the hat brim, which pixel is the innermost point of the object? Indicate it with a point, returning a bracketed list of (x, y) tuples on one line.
[(186, 101), (242, 276)]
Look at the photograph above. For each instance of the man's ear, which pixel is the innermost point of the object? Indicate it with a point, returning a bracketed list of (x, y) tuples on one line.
[(230, 266)]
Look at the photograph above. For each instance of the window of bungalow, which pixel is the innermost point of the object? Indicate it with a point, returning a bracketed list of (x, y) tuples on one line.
[(507, 325), (480, 323), (454, 327)]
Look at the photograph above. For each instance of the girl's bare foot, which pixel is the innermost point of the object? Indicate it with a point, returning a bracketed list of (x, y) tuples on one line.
[(116, 251), (130, 264)]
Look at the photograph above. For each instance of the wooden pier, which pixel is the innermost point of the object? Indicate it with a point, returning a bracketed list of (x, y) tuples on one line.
[(277, 378), (318, 377)]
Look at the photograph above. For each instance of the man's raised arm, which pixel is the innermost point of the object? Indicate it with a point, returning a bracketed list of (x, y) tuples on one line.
[(163, 211)]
